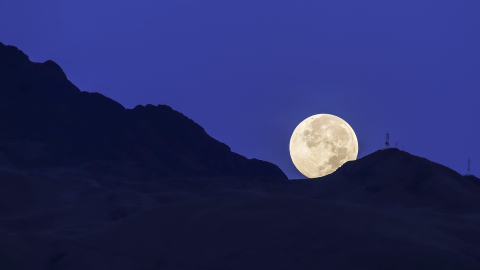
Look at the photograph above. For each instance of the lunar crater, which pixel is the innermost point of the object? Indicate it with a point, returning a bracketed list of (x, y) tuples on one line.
[(321, 144)]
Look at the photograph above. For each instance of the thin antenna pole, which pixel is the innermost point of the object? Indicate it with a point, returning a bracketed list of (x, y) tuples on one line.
[(468, 168), (387, 143)]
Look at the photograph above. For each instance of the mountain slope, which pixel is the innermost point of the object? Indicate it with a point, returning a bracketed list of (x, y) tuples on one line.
[(392, 177), (47, 121), (88, 184), (336, 222)]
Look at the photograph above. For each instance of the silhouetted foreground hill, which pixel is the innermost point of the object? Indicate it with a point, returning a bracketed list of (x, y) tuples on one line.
[(48, 221), (392, 177), (47, 121), (87, 184), (472, 178)]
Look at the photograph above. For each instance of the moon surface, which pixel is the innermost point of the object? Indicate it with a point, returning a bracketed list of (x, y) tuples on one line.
[(321, 144)]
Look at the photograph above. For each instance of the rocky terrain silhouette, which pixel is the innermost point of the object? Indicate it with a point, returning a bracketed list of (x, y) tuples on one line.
[(47, 121), (88, 184)]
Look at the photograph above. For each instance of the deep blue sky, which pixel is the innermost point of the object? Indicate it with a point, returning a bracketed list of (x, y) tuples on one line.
[(249, 71)]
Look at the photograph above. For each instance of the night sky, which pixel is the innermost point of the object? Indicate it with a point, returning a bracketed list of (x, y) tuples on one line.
[(249, 71)]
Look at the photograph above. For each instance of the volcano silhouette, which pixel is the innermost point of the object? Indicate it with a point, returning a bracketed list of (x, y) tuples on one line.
[(88, 184)]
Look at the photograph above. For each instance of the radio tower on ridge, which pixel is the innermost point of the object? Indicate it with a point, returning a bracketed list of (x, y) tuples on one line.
[(468, 168), (387, 143)]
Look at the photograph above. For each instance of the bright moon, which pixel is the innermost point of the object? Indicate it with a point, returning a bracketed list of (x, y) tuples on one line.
[(321, 144)]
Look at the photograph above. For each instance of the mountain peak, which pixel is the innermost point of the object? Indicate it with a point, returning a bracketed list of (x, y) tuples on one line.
[(47, 121), (55, 69), (12, 54), (391, 177)]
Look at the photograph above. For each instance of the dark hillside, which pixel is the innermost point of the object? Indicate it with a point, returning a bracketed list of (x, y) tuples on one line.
[(88, 184), (47, 121), (392, 177)]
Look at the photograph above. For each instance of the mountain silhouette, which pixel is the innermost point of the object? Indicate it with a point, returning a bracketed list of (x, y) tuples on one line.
[(47, 121), (392, 177), (472, 178), (88, 184)]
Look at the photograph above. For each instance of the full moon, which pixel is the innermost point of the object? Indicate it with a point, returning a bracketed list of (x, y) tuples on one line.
[(321, 144)]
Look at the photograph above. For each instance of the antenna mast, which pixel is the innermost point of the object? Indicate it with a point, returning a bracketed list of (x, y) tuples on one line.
[(468, 168), (387, 143)]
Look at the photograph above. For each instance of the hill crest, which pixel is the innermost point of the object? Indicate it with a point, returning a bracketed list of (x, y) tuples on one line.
[(47, 121), (391, 177)]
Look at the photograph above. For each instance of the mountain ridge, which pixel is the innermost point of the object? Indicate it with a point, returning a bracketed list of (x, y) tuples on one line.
[(396, 178), (88, 184), (48, 121)]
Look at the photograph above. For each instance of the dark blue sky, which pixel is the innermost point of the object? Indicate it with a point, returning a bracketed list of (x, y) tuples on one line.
[(249, 71)]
